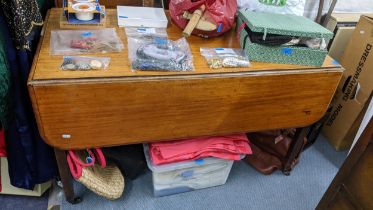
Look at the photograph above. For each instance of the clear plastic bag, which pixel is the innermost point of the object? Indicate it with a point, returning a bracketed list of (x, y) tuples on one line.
[(83, 63), (142, 31), (225, 57), (154, 53), (68, 42)]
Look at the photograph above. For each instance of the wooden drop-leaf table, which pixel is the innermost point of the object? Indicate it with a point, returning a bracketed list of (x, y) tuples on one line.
[(118, 106)]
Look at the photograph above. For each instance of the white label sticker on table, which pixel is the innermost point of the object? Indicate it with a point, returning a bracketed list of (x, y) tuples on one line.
[(146, 30), (224, 51)]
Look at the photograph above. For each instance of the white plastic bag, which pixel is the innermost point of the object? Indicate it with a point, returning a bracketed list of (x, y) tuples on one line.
[(295, 7)]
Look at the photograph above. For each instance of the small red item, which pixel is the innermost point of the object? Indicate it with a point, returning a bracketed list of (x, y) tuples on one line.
[(2, 144), (240, 28), (76, 165), (2, 150), (220, 12), (83, 43)]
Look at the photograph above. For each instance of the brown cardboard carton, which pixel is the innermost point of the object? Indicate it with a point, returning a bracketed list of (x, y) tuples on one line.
[(355, 87), (343, 25)]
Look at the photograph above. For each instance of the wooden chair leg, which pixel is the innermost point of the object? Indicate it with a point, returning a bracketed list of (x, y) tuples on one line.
[(66, 178), (295, 149)]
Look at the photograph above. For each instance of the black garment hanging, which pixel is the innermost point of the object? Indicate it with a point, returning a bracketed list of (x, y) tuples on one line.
[(22, 16), (30, 160)]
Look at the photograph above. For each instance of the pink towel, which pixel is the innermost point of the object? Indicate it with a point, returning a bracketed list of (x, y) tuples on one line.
[(226, 147)]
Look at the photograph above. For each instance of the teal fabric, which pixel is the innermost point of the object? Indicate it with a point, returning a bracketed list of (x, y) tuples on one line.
[(281, 24), (4, 83)]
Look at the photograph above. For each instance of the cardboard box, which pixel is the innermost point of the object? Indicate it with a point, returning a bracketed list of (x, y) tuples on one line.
[(355, 87), (343, 25), (368, 115)]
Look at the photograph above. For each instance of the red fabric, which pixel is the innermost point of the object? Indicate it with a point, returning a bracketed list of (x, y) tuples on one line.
[(242, 26), (219, 12), (2, 144), (226, 147), (2, 150), (76, 165)]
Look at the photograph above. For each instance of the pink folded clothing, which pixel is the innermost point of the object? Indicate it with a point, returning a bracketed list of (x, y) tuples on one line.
[(229, 147)]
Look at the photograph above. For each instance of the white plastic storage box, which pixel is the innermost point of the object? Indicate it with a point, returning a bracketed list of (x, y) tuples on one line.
[(186, 176)]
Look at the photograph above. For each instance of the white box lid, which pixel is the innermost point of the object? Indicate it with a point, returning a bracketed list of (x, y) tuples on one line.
[(141, 17)]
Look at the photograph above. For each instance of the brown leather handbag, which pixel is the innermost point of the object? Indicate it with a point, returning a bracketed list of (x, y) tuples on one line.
[(270, 149)]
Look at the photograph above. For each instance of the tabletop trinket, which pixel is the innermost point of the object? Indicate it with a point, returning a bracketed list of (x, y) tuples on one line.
[(163, 55), (84, 63)]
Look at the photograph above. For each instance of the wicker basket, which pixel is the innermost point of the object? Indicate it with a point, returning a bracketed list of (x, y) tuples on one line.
[(106, 181)]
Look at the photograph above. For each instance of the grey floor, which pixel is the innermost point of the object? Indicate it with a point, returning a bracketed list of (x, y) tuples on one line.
[(15, 202), (245, 188)]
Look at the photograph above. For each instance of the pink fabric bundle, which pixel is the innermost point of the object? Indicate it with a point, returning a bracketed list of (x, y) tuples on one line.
[(226, 147)]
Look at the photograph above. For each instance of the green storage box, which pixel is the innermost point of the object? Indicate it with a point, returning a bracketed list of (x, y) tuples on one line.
[(279, 24)]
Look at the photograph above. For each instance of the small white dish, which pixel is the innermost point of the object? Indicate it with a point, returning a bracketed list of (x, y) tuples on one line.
[(84, 11)]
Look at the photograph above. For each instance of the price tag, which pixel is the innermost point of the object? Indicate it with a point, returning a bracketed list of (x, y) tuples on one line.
[(146, 30), (199, 161), (187, 174), (86, 34), (287, 51), (224, 51)]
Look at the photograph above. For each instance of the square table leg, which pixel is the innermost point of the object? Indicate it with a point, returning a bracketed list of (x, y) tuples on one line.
[(66, 178)]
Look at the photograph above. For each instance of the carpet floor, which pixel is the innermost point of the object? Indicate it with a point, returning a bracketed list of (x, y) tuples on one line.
[(245, 188), (15, 202)]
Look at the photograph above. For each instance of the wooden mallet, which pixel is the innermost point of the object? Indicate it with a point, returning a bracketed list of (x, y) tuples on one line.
[(203, 24), (197, 14)]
